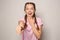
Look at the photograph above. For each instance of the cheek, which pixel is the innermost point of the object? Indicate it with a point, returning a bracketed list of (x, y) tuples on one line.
[(33, 11), (26, 11)]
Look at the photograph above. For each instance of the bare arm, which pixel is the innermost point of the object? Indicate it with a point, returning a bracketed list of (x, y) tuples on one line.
[(34, 29), (37, 32)]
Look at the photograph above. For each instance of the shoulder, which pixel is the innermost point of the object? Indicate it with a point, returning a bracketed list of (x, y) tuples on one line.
[(39, 20)]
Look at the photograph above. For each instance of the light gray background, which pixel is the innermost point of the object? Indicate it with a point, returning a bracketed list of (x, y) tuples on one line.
[(12, 10)]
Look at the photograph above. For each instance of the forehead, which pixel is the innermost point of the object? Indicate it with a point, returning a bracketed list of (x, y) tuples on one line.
[(29, 5)]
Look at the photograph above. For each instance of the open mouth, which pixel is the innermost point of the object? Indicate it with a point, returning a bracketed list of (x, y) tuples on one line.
[(30, 13)]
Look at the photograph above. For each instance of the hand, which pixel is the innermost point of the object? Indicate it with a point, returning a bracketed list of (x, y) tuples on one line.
[(21, 24), (20, 27)]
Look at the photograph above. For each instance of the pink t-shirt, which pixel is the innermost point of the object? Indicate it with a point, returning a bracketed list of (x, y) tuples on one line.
[(28, 33)]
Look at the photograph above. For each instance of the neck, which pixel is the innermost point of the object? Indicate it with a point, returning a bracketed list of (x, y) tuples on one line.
[(29, 17)]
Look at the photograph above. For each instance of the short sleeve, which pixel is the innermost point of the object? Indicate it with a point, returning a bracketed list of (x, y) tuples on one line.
[(39, 21), (21, 19)]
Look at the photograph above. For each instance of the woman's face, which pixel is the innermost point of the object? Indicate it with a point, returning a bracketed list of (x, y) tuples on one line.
[(29, 10)]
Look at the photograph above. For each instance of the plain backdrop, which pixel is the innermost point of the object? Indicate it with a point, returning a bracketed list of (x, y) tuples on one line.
[(12, 10)]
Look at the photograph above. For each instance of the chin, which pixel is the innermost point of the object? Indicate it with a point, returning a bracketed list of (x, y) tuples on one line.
[(29, 15)]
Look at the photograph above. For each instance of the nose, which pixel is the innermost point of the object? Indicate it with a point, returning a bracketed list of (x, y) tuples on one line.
[(29, 10)]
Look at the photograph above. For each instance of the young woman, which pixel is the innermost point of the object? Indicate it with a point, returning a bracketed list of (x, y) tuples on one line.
[(30, 27)]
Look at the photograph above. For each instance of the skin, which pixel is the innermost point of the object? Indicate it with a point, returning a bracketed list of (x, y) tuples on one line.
[(29, 11), (20, 24)]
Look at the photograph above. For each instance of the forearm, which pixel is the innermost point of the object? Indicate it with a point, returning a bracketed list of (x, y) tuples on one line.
[(36, 32)]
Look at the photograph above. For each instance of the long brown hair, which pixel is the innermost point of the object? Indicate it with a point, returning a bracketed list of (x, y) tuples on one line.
[(25, 26)]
